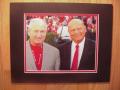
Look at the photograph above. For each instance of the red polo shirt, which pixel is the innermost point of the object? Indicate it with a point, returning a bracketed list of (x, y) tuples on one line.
[(38, 55)]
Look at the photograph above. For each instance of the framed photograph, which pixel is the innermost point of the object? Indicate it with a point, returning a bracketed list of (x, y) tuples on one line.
[(60, 42)]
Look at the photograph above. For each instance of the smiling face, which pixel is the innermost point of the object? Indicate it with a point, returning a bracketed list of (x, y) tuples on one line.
[(37, 31), (76, 30), (37, 37)]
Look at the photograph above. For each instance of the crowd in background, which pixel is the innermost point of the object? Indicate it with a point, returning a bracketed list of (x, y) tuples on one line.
[(59, 24)]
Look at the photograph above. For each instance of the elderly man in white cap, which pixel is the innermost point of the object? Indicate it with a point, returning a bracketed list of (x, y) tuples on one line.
[(40, 55)]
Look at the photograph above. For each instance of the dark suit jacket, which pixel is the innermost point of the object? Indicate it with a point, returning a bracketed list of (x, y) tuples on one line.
[(87, 60)]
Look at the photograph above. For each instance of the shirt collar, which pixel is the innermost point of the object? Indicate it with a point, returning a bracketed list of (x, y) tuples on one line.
[(81, 43)]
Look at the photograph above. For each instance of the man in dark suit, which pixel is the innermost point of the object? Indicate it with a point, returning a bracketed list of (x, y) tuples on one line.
[(79, 53)]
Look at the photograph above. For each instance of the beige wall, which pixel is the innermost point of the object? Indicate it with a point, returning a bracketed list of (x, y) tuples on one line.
[(5, 77)]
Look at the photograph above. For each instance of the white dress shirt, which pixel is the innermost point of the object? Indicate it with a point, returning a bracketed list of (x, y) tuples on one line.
[(73, 48)]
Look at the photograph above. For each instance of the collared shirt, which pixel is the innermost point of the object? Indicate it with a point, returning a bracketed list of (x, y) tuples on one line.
[(37, 54), (73, 48)]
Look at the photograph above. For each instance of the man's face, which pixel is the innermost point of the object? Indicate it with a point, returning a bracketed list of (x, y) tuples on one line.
[(77, 32), (37, 37)]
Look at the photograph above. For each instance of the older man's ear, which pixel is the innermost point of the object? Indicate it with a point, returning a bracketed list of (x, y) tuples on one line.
[(28, 32), (85, 29)]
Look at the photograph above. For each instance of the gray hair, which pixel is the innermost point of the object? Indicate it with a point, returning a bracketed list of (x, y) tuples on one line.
[(37, 23), (74, 22)]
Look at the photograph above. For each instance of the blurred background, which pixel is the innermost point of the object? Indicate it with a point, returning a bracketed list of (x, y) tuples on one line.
[(58, 26)]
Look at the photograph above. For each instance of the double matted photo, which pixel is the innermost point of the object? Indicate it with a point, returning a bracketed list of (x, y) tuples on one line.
[(58, 35), (58, 42)]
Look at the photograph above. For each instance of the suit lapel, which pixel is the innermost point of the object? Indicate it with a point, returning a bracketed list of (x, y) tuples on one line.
[(30, 58), (84, 54), (68, 55), (65, 53), (45, 53)]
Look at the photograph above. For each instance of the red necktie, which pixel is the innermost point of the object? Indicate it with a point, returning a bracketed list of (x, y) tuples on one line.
[(75, 59)]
